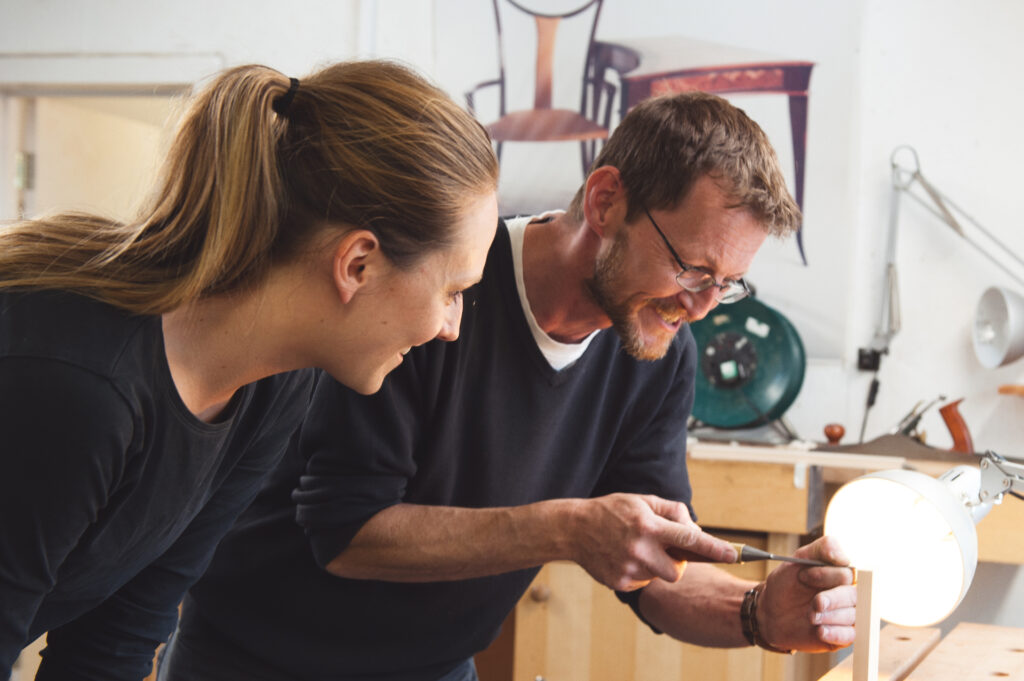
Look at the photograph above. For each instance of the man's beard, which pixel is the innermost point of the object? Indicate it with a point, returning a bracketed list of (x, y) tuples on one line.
[(609, 272)]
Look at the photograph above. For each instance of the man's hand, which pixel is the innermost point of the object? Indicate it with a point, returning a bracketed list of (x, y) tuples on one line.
[(810, 609), (624, 540)]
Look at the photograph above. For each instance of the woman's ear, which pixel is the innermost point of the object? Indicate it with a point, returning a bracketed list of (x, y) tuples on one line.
[(604, 200), (357, 257)]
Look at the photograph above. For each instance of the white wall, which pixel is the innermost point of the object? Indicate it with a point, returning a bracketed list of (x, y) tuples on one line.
[(940, 75), (292, 37)]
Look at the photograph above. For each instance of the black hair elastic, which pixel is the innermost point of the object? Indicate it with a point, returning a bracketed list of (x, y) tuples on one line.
[(281, 104)]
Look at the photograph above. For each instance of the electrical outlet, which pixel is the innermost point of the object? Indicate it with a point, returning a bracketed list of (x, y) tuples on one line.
[(869, 359)]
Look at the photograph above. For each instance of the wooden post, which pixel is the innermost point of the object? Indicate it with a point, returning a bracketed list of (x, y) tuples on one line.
[(865, 644)]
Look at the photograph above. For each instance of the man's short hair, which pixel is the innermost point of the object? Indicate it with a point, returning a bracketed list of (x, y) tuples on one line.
[(664, 144)]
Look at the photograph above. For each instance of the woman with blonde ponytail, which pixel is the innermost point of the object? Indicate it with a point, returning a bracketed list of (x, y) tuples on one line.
[(152, 372)]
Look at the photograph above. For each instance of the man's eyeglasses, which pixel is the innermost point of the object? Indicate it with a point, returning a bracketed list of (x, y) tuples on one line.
[(695, 280)]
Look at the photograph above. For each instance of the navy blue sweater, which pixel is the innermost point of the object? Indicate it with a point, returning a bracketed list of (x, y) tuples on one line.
[(483, 421), (112, 494)]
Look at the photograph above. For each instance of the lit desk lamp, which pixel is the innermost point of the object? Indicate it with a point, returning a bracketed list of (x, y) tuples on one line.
[(914, 538), (916, 533)]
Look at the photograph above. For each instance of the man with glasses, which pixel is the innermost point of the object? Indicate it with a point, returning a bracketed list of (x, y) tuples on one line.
[(424, 511)]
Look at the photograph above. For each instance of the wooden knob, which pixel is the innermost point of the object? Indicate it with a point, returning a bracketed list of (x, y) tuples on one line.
[(540, 593), (834, 432)]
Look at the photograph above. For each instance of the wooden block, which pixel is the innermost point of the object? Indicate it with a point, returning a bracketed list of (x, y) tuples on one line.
[(999, 533), (793, 455), (613, 654), (553, 626), (900, 650), (865, 644), (975, 651), (740, 495), (569, 622), (531, 629), (713, 664)]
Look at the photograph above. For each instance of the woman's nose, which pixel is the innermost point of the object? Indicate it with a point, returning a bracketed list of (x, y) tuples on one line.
[(452, 321)]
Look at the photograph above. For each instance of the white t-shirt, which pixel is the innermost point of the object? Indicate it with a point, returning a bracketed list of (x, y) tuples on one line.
[(559, 355)]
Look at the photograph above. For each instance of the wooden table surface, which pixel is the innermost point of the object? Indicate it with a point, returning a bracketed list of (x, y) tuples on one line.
[(971, 652)]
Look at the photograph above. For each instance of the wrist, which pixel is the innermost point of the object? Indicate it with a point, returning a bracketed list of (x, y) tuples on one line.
[(559, 522), (751, 623)]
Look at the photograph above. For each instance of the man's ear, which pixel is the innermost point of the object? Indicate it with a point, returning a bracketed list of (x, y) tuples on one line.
[(604, 200), (356, 259)]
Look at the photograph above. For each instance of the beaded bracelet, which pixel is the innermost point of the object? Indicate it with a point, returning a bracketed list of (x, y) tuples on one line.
[(748, 621)]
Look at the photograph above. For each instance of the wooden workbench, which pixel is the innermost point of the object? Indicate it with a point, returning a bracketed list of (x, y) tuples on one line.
[(971, 652)]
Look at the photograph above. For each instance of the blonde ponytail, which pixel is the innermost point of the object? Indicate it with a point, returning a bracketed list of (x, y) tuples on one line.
[(363, 144)]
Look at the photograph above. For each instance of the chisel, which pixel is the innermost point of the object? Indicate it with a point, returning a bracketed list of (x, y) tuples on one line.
[(748, 553)]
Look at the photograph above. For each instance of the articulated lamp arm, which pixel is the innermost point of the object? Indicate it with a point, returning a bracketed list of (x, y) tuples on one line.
[(904, 176), (889, 315)]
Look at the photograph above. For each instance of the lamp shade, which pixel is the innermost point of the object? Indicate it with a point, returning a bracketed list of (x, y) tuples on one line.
[(998, 332), (916, 536)]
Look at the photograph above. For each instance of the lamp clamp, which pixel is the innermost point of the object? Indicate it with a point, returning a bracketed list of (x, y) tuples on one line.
[(999, 476)]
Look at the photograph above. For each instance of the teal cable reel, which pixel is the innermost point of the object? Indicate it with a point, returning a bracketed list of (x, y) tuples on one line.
[(750, 365)]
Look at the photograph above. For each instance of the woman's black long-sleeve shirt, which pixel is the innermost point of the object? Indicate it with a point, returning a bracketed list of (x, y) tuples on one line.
[(112, 494)]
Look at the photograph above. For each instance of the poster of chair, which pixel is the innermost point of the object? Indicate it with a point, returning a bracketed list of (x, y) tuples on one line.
[(550, 79)]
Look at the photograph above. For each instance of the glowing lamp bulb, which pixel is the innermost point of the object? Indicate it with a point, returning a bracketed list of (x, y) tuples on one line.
[(917, 537)]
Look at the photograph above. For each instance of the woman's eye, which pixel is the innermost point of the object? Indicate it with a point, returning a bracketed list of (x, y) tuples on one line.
[(456, 296)]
